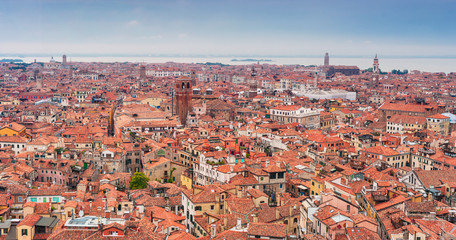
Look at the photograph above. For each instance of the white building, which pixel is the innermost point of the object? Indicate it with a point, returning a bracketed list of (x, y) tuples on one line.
[(327, 94), (307, 117), (208, 170), (16, 143)]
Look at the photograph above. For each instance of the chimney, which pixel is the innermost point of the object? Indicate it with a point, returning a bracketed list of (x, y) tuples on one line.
[(267, 163), (278, 164), (255, 217), (108, 214), (292, 207), (277, 213), (238, 224), (213, 231), (225, 222)]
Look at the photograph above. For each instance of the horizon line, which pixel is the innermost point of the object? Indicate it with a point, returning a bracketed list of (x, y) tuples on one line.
[(25, 55)]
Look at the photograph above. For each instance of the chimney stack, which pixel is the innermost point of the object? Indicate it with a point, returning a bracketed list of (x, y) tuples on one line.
[(239, 224), (213, 231), (255, 217)]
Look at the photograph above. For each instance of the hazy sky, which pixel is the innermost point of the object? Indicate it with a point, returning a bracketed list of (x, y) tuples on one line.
[(216, 27)]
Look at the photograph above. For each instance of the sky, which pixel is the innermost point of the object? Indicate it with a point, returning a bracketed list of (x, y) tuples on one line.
[(229, 27)]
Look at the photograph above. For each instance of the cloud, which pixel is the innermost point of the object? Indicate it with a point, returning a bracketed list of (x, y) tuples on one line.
[(182, 35), (152, 37), (155, 37), (132, 23)]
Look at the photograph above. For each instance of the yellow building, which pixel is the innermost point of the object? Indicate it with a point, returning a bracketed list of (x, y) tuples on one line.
[(186, 181), (26, 229), (317, 184), (153, 100), (13, 129)]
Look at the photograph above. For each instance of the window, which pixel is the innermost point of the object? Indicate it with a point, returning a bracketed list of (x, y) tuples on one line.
[(19, 199), (55, 199), (24, 232), (197, 208), (348, 208), (212, 207)]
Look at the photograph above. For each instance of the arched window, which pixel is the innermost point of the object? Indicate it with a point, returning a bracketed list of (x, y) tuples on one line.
[(188, 85), (183, 85)]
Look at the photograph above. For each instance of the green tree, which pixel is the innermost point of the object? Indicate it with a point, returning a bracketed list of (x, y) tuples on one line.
[(170, 180), (59, 150), (139, 181)]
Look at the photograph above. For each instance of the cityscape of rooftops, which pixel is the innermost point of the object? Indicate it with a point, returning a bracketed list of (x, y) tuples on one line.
[(227, 120)]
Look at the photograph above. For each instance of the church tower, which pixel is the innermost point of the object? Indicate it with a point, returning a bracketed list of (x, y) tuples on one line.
[(375, 71), (39, 81), (142, 72), (183, 98), (326, 59)]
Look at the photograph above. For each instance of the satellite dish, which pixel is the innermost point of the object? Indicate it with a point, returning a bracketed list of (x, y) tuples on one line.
[(81, 213)]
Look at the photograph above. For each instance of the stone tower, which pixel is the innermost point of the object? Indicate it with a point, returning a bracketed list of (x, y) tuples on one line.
[(375, 71), (183, 98), (64, 60), (142, 72), (39, 81), (326, 59), (194, 78)]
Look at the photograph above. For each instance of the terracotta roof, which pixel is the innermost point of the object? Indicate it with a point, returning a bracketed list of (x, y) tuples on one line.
[(267, 229), (438, 116), (435, 177), (362, 234), (30, 220)]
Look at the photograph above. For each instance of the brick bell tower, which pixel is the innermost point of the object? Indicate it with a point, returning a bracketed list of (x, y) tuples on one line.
[(183, 98)]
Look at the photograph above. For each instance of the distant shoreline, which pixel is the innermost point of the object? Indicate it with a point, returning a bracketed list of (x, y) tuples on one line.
[(7, 60), (389, 63), (251, 60)]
